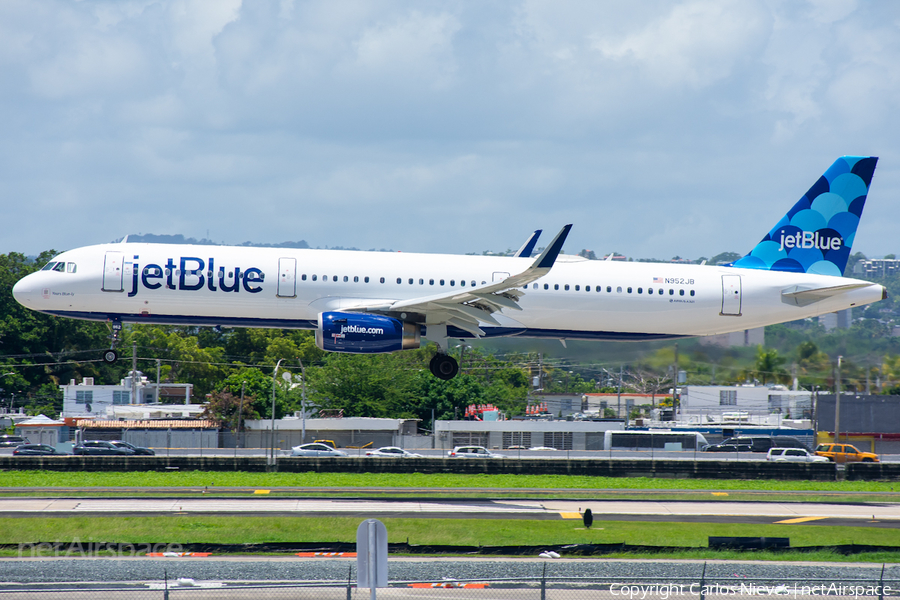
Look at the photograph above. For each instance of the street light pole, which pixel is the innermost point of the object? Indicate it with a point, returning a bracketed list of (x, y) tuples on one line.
[(302, 402), (274, 375), (837, 402)]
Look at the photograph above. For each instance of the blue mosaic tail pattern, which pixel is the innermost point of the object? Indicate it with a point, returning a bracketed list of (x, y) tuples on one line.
[(816, 235)]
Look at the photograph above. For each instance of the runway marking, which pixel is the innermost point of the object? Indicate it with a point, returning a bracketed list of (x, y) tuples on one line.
[(287, 505), (570, 515), (801, 520)]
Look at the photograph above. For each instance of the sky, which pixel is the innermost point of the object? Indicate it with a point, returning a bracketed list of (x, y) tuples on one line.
[(657, 128)]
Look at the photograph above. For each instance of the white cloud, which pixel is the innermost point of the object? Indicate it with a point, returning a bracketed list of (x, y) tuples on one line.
[(449, 126), (696, 44)]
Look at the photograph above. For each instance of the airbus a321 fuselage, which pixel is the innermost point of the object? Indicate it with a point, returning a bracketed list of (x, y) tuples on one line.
[(365, 302)]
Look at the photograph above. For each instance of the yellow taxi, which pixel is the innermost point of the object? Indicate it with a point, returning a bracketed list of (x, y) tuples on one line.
[(844, 453)]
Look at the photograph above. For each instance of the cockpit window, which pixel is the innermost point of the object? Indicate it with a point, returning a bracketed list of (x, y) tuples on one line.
[(71, 267), (49, 266), (60, 267)]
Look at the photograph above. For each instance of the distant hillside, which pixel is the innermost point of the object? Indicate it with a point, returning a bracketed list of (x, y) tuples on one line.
[(150, 238)]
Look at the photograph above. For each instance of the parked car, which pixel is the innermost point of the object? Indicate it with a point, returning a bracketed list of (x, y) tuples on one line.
[(472, 452), (315, 449), (11, 441), (392, 452), (844, 453), (758, 443), (133, 448), (793, 455), (100, 448), (37, 450)]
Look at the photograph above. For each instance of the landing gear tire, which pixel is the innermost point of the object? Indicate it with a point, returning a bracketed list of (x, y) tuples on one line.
[(444, 367), (110, 356)]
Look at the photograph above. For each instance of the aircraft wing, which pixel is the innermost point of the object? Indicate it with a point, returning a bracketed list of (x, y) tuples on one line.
[(528, 247), (465, 309)]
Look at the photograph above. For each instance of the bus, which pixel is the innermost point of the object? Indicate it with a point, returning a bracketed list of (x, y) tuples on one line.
[(653, 440)]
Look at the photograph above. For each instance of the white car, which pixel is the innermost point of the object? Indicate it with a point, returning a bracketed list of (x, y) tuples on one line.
[(472, 452), (793, 455), (392, 452), (315, 450)]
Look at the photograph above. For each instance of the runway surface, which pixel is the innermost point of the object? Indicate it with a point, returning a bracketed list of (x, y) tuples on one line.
[(861, 514)]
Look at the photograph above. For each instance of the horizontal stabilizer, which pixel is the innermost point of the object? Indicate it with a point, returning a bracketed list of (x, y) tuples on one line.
[(800, 296)]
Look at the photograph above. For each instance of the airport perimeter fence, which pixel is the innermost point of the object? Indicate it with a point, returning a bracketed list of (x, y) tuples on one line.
[(536, 588)]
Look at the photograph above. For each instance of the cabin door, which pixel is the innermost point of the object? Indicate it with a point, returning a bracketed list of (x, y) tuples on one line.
[(112, 272), (287, 278), (731, 295)]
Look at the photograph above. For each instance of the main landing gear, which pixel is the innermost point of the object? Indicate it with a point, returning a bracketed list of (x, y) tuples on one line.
[(110, 356), (444, 366)]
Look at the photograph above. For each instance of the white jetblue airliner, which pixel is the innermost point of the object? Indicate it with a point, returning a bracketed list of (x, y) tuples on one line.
[(367, 302)]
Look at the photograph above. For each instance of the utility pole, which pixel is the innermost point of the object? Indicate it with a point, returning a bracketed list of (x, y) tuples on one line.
[(156, 399), (540, 370), (302, 401), (837, 402), (274, 383), (240, 414), (619, 397), (134, 373)]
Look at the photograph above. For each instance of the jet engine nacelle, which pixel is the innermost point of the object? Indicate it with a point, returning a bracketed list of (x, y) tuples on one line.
[(361, 333)]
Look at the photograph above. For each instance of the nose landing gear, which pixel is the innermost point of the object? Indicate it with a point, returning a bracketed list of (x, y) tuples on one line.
[(110, 356)]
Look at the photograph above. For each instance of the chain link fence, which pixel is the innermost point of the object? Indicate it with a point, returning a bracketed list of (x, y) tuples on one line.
[(536, 588)]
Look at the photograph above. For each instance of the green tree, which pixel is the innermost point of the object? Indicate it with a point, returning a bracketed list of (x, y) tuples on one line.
[(228, 410), (366, 385), (41, 349), (183, 358), (769, 366)]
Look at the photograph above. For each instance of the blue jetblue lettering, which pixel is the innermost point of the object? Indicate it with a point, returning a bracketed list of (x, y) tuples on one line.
[(134, 277), (193, 275), (809, 239)]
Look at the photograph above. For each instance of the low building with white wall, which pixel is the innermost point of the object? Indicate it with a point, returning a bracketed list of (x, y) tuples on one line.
[(85, 399), (501, 435), (755, 403), (347, 432)]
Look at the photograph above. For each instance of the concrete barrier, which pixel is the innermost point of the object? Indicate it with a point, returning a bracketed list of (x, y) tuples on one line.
[(668, 469), (872, 472)]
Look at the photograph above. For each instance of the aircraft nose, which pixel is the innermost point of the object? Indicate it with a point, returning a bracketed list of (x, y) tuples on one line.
[(23, 291)]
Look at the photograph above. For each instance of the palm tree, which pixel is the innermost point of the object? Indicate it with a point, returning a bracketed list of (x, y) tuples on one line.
[(769, 366)]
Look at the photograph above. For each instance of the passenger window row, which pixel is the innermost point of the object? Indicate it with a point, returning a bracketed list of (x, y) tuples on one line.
[(462, 283), (400, 280), (609, 289)]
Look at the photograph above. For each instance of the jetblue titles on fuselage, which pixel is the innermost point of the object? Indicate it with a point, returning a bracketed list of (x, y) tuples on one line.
[(194, 274)]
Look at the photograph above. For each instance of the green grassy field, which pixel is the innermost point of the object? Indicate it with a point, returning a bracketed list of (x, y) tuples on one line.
[(201, 479), (183, 529), (187, 529)]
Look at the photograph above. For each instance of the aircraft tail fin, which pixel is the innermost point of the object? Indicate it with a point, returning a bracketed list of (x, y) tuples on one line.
[(816, 235)]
